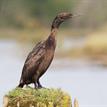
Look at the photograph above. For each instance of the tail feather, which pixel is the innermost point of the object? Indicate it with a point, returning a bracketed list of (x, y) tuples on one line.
[(21, 85)]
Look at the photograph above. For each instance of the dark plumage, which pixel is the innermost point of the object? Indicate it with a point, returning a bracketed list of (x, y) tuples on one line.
[(40, 58)]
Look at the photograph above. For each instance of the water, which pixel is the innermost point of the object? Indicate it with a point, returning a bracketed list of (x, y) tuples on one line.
[(81, 79)]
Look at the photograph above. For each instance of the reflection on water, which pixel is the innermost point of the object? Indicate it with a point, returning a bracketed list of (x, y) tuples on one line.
[(81, 79)]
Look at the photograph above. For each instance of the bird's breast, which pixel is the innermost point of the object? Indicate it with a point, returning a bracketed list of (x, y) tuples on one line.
[(51, 43), (47, 60)]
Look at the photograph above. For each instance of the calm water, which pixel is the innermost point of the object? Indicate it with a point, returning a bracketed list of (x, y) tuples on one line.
[(81, 79)]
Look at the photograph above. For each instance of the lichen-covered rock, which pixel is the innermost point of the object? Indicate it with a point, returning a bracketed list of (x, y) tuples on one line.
[(29, 97)]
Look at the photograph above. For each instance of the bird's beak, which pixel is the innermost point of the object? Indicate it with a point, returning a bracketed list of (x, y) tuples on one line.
[(77, 15), (68, 16)]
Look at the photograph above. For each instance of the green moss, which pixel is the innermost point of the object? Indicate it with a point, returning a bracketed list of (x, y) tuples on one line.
[(38, 98)]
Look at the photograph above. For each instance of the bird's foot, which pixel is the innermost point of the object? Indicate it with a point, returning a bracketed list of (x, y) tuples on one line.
[(35, 85), (40, 86)]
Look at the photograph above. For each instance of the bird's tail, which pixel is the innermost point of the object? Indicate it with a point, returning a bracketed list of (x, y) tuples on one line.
[(21, 84)]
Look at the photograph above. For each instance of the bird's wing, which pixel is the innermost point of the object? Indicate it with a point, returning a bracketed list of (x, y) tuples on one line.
[(33, 60), (35, 50)]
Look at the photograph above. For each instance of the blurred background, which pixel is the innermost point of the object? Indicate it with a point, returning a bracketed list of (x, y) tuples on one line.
[(80, 62)]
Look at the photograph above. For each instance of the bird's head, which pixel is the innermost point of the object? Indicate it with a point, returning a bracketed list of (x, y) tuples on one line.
[(61, 17)]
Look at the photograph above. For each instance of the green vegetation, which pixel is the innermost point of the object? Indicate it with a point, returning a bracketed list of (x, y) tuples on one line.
[(30, 13), (33, 13), (38, 98)]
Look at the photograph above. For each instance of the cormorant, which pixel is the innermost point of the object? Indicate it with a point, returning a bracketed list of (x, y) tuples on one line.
[(40, 58)]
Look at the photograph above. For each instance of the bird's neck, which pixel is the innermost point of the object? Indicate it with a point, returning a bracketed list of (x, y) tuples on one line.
[(51, 41), (53, 32), (56, 23)]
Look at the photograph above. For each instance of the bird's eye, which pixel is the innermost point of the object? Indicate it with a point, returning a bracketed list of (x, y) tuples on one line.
[(61, 18)]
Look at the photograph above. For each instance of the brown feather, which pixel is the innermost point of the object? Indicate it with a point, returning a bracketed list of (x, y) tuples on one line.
[(40, 58)]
